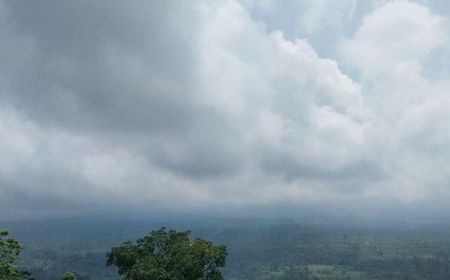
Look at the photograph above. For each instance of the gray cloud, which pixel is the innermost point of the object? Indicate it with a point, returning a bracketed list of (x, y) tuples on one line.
[(206, 105)]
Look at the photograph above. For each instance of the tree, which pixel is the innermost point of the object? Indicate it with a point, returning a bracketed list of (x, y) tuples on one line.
[(69, 276), (168, 255), (9, 253)]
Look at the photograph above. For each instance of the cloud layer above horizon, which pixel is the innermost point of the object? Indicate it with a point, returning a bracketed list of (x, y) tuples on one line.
[(212, 105)]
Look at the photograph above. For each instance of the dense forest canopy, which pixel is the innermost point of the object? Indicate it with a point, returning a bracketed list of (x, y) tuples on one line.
[(168, 255), (256, 250)]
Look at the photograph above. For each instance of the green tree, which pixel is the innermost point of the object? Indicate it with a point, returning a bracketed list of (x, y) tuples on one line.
[(168, 255), (69, 276), (9, 253)]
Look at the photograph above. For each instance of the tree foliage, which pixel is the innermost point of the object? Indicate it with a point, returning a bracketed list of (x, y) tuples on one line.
[(9, 253), (168, 255), (69, 276)]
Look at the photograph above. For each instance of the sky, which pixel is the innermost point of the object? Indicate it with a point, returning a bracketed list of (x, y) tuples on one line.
[(224, 106)]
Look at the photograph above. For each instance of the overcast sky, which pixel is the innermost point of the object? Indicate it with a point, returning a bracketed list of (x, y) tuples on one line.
[(227, 104)]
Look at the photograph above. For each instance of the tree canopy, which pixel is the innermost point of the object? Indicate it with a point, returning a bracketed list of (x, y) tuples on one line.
[(69, 276), (9, 253), (168, 255)]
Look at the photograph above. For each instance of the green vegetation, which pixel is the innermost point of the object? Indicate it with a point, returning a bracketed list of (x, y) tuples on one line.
[(9, 252), (256, 251), (69, 276), (168, 255)]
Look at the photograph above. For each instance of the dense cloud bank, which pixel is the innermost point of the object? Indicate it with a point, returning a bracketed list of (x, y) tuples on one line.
[(212, 105)]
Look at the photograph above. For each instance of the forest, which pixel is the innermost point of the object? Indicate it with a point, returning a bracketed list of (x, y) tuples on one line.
[(256, 249)]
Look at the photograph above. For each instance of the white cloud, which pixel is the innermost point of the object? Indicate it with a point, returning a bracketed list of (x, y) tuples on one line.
[(16, 142), (389, 49), (397, 34), (322, 14), (265, 5), (211, 109)]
